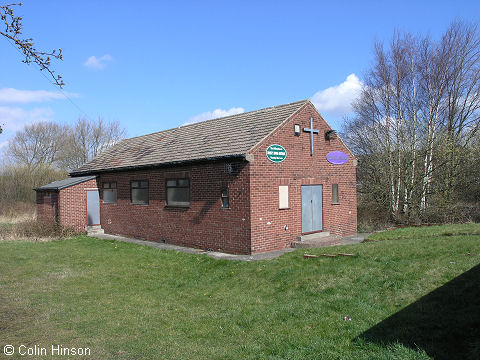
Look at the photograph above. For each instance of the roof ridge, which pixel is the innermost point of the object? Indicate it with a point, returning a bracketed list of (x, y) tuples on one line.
[(219, 118), (247, 112)]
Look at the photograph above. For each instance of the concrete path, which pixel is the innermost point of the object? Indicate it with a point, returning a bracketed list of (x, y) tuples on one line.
[(218, 255)]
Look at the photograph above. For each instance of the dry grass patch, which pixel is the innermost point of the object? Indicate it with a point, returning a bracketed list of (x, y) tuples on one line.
[(18, 223), (16, 212), (34, 230)]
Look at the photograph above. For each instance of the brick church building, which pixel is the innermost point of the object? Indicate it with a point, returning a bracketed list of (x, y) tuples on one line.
[(242, 184)]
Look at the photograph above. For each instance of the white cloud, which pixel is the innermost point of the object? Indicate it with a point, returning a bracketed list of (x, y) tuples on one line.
[(15, 118), (16, 96), (338, 99), (98, 63), (217, 113)]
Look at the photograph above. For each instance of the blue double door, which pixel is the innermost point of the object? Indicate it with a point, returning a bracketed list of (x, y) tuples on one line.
[(312, 208)]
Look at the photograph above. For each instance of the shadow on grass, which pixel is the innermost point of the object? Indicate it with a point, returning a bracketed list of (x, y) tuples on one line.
[(445, 323)]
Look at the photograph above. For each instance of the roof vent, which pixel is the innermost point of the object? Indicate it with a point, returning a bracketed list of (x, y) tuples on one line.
[(232, 168), (330, 135)]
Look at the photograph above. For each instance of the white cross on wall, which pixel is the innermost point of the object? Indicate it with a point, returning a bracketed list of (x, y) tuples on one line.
[(312, 131)]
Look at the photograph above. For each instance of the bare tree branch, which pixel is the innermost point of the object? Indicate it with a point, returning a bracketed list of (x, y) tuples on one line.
[(13, 30), (417, 119)]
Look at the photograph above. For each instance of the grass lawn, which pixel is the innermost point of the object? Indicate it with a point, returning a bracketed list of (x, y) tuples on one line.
[(413, 295)]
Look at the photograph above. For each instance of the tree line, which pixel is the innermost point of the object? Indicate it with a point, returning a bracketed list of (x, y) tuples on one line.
[(44, 152), (415, 128)]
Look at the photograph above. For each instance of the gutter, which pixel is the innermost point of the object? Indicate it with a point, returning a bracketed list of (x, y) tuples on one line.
[(159, 165), (46, 189)]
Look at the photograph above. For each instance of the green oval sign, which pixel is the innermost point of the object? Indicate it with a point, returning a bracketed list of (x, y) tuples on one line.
[(276, 153)]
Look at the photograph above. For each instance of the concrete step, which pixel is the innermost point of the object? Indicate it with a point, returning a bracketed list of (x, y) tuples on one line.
[(314, 236), (94, 230), (317, 240)]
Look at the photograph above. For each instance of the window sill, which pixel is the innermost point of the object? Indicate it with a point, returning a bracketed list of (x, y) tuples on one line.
[(287, 208), (177, 206), (335, 203), (139, 204)]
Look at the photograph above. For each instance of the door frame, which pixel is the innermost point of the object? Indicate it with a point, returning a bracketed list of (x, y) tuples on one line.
[(301, 212), (99, 207)]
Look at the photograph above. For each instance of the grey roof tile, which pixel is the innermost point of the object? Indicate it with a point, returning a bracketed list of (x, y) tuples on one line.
[(222, 137), (62, 184)]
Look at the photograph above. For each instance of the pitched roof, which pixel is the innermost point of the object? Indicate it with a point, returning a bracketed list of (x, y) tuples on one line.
[(62, 184), (212, 139)]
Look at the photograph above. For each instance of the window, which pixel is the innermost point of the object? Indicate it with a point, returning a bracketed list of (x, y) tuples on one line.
[(283, 197), (109, 192), (178, 192), (335, 194), (139, 192), (225, 200)]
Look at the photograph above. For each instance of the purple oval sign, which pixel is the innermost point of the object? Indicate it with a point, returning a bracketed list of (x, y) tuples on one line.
[(337, 157)]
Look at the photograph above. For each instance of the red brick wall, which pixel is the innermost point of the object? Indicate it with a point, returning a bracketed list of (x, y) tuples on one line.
[(253, 223), (299, 168), (68, 206), (203, 225), (47, 202), (72, 207)]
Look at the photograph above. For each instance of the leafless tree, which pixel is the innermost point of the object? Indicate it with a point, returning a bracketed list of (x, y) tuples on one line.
[(383, 118), (416, 117), (89, 138), (63, 147), (38, 145), (44, 152), (461, 45), (433, 77)]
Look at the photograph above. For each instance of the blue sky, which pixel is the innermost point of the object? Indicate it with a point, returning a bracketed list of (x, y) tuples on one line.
[(154, 65)]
